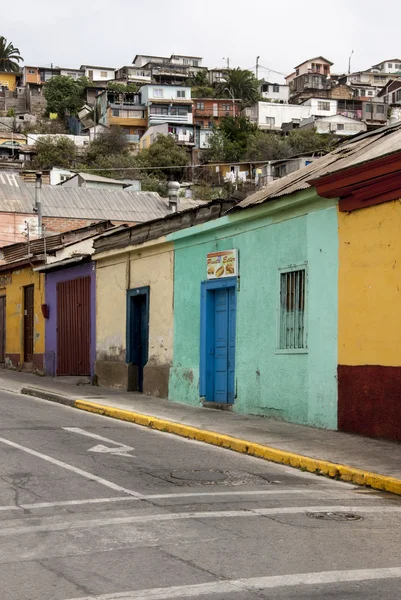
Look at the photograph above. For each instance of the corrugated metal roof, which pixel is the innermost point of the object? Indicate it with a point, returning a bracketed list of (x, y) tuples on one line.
[(83, 203), (364, 148)]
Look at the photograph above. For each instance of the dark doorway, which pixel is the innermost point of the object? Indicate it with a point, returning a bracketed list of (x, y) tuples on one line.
[(2, 328), (73, 326), (28, 323), (137, 333)]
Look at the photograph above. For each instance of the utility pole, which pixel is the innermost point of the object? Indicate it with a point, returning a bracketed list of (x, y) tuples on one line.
[(228, 62), (38, 201), (349, 62), (257, 67)]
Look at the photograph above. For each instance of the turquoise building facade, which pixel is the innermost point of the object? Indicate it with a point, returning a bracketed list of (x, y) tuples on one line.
[(287, 282)]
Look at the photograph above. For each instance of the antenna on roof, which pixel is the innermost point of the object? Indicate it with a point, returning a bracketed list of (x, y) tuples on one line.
[(349, 62)]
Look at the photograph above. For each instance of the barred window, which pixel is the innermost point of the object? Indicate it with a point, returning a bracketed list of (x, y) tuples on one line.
[(292, 334)]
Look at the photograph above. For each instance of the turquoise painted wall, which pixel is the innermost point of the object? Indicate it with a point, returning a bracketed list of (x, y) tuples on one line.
[(300, 387)]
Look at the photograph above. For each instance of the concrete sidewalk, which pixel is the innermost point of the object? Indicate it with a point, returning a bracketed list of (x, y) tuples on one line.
[(364, 461)]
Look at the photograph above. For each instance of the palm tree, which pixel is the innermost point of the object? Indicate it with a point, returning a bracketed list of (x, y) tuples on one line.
[(241, 84), (9, 56)]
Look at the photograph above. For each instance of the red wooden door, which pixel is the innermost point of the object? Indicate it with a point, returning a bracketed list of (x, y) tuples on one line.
[(29, 325), (73, 327), (2, 328)]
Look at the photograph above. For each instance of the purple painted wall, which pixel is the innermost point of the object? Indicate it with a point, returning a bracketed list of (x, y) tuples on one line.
[(52, 279)]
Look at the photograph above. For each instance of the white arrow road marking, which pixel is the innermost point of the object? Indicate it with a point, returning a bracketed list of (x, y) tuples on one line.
[(121, 450)]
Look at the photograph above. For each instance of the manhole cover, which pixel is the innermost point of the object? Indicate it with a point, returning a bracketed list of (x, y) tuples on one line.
[(334, 516), (198, 475)]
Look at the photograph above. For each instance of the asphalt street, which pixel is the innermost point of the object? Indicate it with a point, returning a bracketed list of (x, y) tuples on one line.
[(96, 509)]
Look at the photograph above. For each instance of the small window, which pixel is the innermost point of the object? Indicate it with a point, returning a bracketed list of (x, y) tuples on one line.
[(397, 66), (340, 126), (370, 93), (292, 331), (323, 105), (276, 89), (180, 93), (103, 73), (362, 92), (297, 72), (115, 112), (390, 65), (380, 109), (186, 61), (369, 108), (200, 105), (31, 71), (270, 121), (195, 63), (158, 92)]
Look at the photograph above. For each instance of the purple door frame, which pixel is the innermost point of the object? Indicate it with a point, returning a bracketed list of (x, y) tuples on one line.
[(52, 279)]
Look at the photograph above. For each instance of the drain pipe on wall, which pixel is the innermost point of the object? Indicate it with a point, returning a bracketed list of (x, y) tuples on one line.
[(38, 201)]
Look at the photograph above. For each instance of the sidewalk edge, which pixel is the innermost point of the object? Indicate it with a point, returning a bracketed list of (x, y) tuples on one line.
[(298, 461)]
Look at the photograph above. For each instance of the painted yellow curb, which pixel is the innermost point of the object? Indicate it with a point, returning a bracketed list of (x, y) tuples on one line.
[(313, 465)]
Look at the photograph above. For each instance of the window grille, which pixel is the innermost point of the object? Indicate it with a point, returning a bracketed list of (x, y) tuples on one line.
[(292, 335)]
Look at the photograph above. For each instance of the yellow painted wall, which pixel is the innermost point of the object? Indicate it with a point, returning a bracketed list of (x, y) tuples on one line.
[(127, 122), (151, 264), (370, 286), (111, 307), (155, 267), (9, 80), (21, 140), (14, 293)]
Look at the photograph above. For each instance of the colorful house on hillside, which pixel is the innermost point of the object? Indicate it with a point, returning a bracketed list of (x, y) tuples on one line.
[(8, 81), (287, 306), (134, 305), (369, 288), (46, 309)]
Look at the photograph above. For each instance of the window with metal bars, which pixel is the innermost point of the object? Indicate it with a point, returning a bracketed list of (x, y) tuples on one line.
[(292, 331)]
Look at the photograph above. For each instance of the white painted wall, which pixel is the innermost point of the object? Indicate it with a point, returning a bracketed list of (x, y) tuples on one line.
[(281, 95), (79, 140), (271, 115), (392, 66), (164, 92), (99, 74), (341, 126), (321, 107), (58, 175)]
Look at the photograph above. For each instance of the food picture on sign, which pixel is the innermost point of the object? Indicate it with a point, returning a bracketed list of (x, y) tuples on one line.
[(222, 264)]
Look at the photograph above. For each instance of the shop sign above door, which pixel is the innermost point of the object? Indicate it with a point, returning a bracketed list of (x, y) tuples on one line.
[(222, 264)]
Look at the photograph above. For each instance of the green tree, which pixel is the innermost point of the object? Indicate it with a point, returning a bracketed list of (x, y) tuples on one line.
[(202, 92), (165, 153), (108, 143), (116, 86), (241, 84), (267, 146), (54, 152), (9, 56), (308, 140), (64, 95), (229, 142), (200, 79)]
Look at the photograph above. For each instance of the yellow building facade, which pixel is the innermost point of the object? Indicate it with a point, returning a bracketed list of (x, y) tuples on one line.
[(22, 291), (8, 80), (128, 280)]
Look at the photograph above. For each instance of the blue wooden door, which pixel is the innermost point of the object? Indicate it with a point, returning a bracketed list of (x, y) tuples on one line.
[(220, 375), (222, 352), (231, 343)]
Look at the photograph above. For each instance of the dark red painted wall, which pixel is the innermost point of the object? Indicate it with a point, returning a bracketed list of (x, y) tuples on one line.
[(369, 401)]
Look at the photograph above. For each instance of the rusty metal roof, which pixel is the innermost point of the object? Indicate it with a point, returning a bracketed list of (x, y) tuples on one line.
[(83, 203), (364, 148)]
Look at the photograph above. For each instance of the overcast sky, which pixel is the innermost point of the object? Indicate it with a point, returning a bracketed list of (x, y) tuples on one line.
[(283, 33)]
